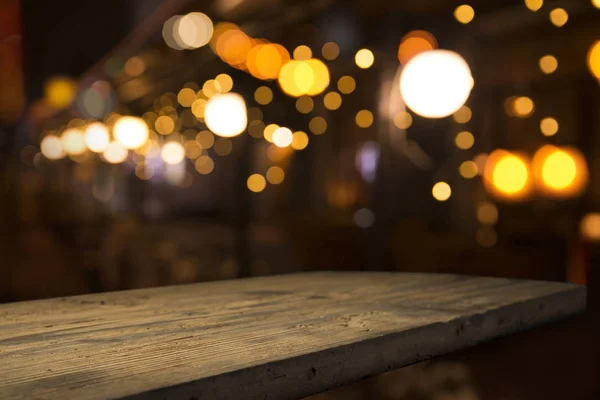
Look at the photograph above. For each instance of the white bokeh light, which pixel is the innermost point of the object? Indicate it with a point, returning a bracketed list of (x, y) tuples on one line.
[(436, 83), (97, 137), (282, 137), (172, 153), (131, 132), (225, 114)]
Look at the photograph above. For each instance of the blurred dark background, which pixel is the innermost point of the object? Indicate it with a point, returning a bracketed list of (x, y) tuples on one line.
[(364, 193)]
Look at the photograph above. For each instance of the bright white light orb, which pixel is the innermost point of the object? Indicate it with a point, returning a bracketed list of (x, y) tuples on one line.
[(282, 137), (115, 153), (131, 132), (172, 153), (436, 83), (73, 142), (96, 137), (52, 148), (225, 114)]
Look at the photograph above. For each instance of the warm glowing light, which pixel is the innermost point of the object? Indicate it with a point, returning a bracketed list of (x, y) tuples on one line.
[(441, 191), (52, 148), (486, 236), (320, 77), (415, 42), (204, 165), (275, 175), (302, 53), (299, 78), (487, 213), (233, 46), (263, 95), (172, 152), (96, 137), (590, 226), (560, 171), (332, 101), (330, 51), (305, 104), (164, 125), (211, 88), (464, 14), (596, 3), (464, 140), (364, 118), (468, 169), (193, 149), (364, 58), (135, 66), (225, 114), (534, 5), (269, 131), (225, 82), (523, 107), (548, 64), (480, 160), (256, 183), (223, 146), (205, 139), (256, 129), (507, 175), (403, 120), (186, 97), (265, 60), (131, 132), (346, 84), (549, 126), (559, 17), (436, 83), (299, 140), (115, 153), (198, 107), (593, 59), (60, 91), (282, 137), (194, 29), (73, 141), (463, 115), (317, 125)]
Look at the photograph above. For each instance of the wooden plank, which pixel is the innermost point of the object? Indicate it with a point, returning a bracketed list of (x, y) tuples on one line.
[(280, 337)]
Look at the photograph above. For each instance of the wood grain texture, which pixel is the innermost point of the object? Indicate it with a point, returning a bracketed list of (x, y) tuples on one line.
[(279, 337)]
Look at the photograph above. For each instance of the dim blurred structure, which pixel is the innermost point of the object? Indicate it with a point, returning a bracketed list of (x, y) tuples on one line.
[(158, 142)]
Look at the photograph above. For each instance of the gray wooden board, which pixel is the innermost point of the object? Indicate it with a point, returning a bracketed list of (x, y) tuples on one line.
[(278, 337)]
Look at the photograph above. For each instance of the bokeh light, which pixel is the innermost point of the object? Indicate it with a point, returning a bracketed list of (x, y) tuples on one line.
[(275, 175), (403, 120), (135, 66), (364, 218), (560, 171), (506, 175), (263, 95), (96, 137), (115, 153), (164, 125), (223, 146), (172, 152), (441, 191), (522, 106), (299, 78), (73, 141), (346, 84), (225, 114), (548, 64), (332, 101), (144, 171), (204, 165), (415, 42), (486, 236), (534, 5), (464, 13), (256, 183), (205, 139), (269, 131), (256, 129), (487, 213), (464, 140), (317, 125), (549, 126), (60, 91), (593, 60), (194, 29), (299, 140), (364, 118), (266, 60), (131, 132), (225, 82), (211, 88), (559, 17), (52, 148), (364, 58), (330, 51), (436, 83), (186, 97), (463, 115), (305, 104), (596, 3), (590, 226), (193, 149), (282, 137), (302, 53), (468, 169)]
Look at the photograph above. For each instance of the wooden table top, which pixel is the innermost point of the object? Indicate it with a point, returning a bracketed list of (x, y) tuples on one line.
[(278, 337)]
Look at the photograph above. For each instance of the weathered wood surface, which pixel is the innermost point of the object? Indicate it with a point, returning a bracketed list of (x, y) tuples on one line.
[(280, 337)]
